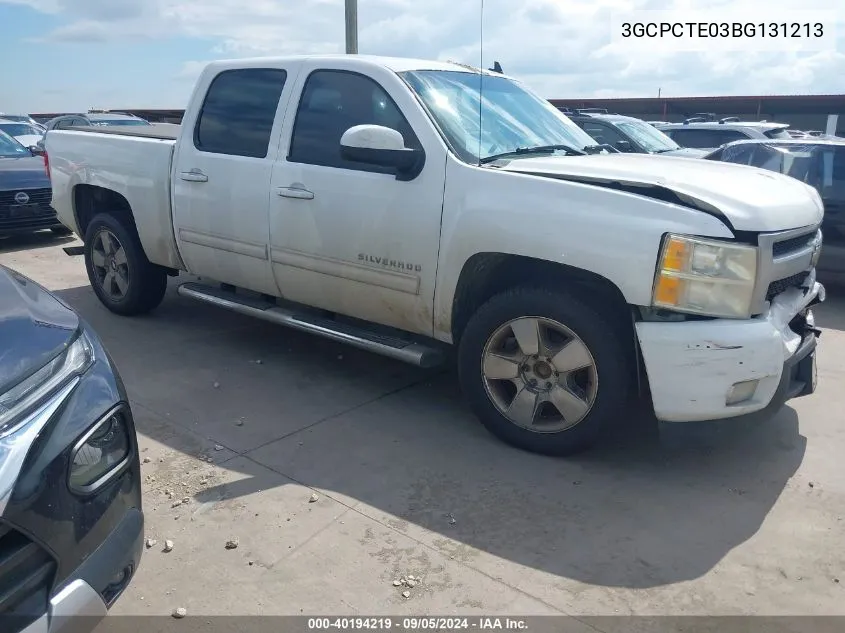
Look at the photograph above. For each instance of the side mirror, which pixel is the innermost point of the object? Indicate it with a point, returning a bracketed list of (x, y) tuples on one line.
[(382, 146), (624, 146), (37, 150)]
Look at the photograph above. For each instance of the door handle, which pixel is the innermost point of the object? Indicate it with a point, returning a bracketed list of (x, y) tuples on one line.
[(195, 175), (295, 192)]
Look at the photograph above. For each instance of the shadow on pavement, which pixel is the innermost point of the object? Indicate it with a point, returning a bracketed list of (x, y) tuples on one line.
[(32, 241), (652, 506)]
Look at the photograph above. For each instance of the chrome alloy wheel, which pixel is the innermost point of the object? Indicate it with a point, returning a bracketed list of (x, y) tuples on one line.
[(110, 267), (539, 374)]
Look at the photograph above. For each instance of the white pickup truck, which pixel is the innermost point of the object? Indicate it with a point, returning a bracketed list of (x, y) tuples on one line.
[(407, 206)]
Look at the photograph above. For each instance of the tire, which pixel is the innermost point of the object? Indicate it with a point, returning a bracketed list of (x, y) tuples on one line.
[(61, 231), (136, 286), (595, 392)]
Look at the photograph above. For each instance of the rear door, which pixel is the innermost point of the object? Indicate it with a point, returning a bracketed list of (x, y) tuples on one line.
[(221, 173)]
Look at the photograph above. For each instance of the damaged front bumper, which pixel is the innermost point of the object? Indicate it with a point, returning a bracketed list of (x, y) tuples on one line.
[(722, 368)]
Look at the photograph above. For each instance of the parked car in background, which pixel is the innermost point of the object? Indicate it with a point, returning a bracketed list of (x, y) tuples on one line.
[(819, 162), (359, 198), (25, 193), (628, 134), (709, 135), (19, 118), (71, 521), (105, 119), (26, 134)]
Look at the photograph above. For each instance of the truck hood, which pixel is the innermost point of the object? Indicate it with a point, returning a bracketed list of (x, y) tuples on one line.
[(26, 172), (746, 198), (34, 327)]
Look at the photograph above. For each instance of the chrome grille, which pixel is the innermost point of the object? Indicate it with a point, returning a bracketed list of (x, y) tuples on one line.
[(782, 285), (36, 196), (793, 244), (785, 259), (26, 576)]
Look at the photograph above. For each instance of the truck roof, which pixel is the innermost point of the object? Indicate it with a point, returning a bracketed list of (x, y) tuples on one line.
[(396, 64)]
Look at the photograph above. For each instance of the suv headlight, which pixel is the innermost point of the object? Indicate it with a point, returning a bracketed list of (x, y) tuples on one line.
[(708, 277), (31, 391)]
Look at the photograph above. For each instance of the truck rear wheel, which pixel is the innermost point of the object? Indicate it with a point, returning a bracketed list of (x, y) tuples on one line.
[(122, 277), (542, 370)]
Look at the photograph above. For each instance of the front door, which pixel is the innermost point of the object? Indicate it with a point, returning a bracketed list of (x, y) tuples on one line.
[(350, 237), (221, 176)]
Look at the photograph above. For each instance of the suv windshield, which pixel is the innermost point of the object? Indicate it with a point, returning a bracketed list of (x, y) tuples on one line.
[(19, 129), (511, 117), (10, 148), (650, 138)]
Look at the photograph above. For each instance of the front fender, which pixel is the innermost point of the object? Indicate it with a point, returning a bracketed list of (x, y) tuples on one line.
[(614, 234)]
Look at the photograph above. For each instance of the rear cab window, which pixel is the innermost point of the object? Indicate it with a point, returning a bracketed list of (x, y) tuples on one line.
[(238, 112)]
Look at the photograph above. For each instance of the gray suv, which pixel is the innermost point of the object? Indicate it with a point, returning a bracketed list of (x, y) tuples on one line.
[(101, 119), (698, 133)]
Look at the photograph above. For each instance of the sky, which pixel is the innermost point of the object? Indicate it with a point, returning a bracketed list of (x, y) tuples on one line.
[(71, 55)]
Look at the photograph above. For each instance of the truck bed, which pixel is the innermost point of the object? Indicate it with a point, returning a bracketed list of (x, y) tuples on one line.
[(133, 162), (161, 131)]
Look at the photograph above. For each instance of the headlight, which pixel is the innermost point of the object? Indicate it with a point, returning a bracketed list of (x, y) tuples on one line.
[(706, 277), (100, 454), (30, 392)]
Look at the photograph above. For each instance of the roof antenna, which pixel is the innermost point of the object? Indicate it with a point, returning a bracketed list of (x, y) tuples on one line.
[(497, 68), (480, 79)]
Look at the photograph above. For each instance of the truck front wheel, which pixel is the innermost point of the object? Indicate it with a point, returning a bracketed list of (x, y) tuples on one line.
[(543, 370), (121, 275)]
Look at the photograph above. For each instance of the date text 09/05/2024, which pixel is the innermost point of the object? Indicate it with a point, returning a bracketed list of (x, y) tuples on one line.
[(807, 30), (416, 624)]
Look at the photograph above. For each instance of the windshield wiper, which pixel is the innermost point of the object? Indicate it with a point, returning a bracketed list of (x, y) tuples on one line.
[(539, 149)]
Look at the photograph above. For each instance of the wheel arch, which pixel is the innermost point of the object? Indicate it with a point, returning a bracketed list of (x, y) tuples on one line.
[(485, 275)]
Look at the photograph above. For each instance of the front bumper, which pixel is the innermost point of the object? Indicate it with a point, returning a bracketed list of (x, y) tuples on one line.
[(36, 219), (78, 607), (62, 553), (693, 366)]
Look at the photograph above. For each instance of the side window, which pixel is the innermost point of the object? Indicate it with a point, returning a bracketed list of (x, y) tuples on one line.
[(728, 136), (238, 112), (63, 124), (698, 138), (603, 133), (334, 101)]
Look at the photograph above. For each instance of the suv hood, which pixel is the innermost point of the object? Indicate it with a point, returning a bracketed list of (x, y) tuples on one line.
[(689, 152), (26, 172), (34, 327), (746, 198)]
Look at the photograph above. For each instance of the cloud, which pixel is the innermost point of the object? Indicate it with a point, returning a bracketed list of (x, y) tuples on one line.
[(562, 48)]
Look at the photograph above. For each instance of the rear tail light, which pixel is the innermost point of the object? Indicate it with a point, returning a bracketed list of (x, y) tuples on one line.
[(46, 163)]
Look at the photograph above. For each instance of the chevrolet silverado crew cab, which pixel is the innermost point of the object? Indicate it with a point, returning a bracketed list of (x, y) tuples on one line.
[(406, 206)]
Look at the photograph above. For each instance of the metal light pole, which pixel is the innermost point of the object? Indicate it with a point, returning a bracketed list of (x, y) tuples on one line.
[(351, 26)]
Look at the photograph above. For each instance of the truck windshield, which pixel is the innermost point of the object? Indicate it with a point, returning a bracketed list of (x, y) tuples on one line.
[(652, 140), (511, 116), (10, 148)]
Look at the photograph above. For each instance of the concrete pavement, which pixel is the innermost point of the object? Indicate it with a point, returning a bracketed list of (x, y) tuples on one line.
[(714, 518)]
